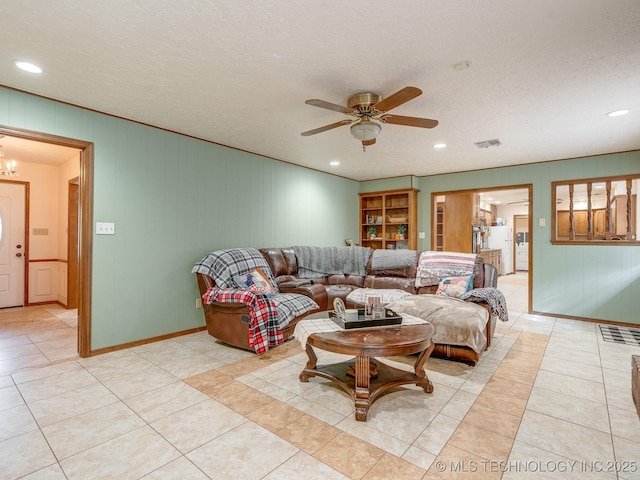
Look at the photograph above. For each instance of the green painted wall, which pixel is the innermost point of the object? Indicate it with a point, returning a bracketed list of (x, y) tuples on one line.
[(598, 282), (173, 199)]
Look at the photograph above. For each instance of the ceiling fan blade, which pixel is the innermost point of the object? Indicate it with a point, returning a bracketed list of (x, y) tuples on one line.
[(329, 106), (398, 98), (325, 128), (367, 143), (408, 121)]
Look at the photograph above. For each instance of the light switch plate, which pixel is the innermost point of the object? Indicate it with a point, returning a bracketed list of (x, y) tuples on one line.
[(542, 222), (421, 235), (103, 228)]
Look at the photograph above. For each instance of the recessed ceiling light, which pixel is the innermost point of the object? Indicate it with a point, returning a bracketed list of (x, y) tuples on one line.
[(335, 163), (439, 145), (617, 113), (29, 67)]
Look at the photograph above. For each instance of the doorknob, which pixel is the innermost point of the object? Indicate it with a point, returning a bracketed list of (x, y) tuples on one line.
[(18, 254)]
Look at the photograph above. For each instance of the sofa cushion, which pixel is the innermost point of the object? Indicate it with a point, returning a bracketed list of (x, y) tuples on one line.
[(401, 283), (256, 281), (276, 260), (384, 269), (455, 286), (353, 280)]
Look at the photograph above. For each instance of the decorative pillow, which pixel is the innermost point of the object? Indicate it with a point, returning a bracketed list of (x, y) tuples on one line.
[(255, 281), (455, 286)]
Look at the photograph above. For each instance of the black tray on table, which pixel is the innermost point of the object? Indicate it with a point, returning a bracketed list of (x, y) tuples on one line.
[(357, 319)]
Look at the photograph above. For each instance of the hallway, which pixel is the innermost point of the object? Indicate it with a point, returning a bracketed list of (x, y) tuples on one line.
[(36, 336)]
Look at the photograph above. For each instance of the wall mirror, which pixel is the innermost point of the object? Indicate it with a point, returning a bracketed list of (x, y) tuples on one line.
[(595, 211)]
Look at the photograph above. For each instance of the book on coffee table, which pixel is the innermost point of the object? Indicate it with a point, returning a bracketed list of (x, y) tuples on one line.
[(357, 319)]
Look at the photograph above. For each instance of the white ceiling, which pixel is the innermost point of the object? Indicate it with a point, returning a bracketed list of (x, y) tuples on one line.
[(20, 150), (542, 74)]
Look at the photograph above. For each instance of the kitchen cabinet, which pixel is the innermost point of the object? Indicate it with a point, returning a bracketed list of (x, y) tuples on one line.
[(457, 223), (492, 257), (581, 224)]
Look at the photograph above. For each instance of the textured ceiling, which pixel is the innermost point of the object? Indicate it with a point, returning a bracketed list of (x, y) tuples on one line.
[(542, 74)]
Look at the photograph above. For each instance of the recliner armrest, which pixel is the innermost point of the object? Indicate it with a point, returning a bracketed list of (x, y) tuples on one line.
[(294, 283), (316, 291), (490, 276)]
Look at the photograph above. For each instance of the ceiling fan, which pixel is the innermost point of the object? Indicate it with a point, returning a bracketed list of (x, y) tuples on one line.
[(366, 107)]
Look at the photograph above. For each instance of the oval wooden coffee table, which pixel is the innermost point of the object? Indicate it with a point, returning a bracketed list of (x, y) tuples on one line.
[(365, 344)]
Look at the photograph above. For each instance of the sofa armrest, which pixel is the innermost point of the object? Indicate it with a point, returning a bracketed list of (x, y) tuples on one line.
[(317, 292), (294, 283), (490, 276)]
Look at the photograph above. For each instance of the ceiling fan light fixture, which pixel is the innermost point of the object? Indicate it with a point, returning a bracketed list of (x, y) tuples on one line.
[(365, 130)]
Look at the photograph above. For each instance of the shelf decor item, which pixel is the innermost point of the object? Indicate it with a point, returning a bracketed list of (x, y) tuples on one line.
[(373, 231), (402, 230)]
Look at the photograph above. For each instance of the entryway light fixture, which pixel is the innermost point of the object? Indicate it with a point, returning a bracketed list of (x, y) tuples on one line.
[(9, 169)]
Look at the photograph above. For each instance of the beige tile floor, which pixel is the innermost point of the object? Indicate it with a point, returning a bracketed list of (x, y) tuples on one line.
[(549, 399)]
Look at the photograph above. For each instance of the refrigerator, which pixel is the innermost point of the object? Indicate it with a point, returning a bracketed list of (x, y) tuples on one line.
[(501, 237)]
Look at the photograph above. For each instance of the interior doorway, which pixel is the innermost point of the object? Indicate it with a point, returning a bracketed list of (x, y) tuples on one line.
[(84, 220), (521, 251), (473, 221)]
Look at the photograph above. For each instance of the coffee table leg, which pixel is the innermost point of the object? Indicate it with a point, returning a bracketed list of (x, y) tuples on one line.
[(362, 388), (418, 368), (311, 363)]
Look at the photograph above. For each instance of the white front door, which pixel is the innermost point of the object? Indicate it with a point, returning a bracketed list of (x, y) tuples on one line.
[(12, 250)]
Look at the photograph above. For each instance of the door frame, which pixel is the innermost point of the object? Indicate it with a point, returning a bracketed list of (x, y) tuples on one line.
[(529, 188), (25, 286), (73, 241), (85, 219)]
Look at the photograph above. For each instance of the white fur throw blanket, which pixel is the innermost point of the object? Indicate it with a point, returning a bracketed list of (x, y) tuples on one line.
[(314, 262), (456, 322)]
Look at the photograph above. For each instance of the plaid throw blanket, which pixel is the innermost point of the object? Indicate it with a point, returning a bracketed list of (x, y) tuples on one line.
[(264, 330), (223, 265), (493, 297), (432, 266)]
